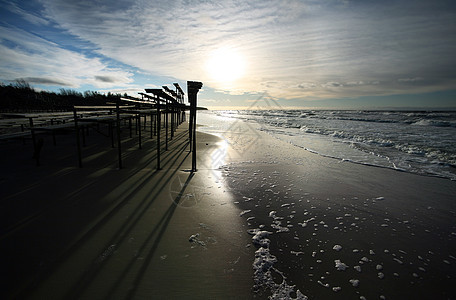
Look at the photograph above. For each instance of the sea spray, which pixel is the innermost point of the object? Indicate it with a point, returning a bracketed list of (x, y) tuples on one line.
[(263, 266)]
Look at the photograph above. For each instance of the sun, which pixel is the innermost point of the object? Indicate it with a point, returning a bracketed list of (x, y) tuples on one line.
[(225, 65)]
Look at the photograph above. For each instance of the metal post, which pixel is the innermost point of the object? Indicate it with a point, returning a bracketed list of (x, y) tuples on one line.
[(158, 134), (155, 125), (166, 125), (192, 89), (194, 136), (151, 124), (172, 120), (118, 134), (139, 130), (190, 127)]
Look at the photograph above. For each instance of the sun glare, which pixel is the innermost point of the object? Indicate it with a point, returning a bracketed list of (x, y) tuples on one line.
[(225, 65)]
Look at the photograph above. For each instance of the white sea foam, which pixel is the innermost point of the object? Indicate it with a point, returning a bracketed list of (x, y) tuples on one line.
[(260, 238), (340, 266), (263, 266), (419, 143), (245, 212), (337, 247), (354, 282)]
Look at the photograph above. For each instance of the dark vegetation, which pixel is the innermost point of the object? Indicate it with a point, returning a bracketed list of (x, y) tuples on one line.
[(21, 97)]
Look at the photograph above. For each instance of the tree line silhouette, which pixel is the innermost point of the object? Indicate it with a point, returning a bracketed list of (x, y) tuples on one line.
[(21, 97)]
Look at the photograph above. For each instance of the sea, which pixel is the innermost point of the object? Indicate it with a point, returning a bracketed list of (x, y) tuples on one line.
[(420, 142)]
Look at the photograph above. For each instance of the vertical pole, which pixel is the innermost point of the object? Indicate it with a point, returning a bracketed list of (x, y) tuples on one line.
[(151, 124), (118, 134), (158, 134), (155, 125), (136, 124), (172, 120), (139, 130), (166, 125), (190, 127), (78, 142), (193, 87), (177, 115), (194, 136)]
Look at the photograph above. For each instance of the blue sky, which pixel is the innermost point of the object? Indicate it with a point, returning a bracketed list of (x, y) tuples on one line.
[(306, 53)]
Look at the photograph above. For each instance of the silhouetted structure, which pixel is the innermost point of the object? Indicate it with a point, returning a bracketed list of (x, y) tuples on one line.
[(130, 110), (193, 88)]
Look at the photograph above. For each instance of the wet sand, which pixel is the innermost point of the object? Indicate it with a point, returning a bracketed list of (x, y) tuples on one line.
[(333, 229)]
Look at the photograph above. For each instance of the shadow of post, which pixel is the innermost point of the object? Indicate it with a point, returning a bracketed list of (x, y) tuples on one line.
[(161, 182), (161, 226)]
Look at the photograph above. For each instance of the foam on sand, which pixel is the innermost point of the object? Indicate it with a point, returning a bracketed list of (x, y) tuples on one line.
[(264, 270)]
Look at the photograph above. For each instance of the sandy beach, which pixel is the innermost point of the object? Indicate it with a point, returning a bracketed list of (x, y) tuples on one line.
[(135, 233), (260, 218)]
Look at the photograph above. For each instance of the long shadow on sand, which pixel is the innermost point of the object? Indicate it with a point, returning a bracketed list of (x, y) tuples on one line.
[(172, 162), (161, 226), (123, 232)]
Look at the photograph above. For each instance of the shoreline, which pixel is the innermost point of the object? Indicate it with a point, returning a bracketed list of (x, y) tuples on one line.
[(418, 143)]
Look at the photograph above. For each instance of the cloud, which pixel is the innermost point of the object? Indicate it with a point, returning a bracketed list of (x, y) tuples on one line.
[(307, 85), (28, 16), (45, 81), (45, 62), (107, 79), (414, 79)]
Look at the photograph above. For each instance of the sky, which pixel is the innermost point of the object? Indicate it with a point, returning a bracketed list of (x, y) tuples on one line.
[(282, 53)]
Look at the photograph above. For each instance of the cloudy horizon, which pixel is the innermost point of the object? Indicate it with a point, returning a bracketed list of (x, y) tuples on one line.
[(301, 53)]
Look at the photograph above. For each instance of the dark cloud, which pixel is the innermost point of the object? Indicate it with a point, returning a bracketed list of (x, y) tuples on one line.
[(45, 81), (108, 79)]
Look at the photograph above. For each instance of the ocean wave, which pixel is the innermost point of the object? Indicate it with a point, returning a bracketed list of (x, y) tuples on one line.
[(437, 123), (416, 141)]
